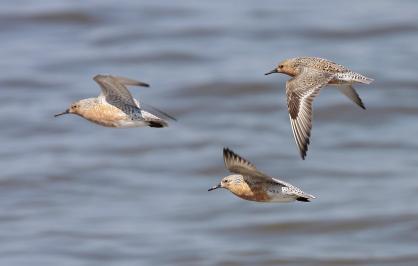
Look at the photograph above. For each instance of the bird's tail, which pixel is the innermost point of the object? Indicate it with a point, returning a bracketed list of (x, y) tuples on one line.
[(351, 77), (153, 120), (305, 197), (361, 79), (157, 123)]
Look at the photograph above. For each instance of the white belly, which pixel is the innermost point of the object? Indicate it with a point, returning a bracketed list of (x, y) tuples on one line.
[(130, 123)]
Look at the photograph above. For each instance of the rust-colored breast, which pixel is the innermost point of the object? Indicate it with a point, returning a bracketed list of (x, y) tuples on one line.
[(103, 114), (254, 192)]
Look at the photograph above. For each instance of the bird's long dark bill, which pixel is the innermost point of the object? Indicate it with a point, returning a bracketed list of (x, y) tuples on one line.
[(63, 113), (215, 187), (271, 72)]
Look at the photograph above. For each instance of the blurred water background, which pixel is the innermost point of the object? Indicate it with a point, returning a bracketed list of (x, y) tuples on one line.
[(73, 193)]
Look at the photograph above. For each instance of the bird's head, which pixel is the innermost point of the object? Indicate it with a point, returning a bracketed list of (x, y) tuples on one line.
[(287, 66), (231, 182), (76, 107)]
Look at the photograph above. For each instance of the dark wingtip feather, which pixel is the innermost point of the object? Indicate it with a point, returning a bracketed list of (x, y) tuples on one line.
[(230, 154), (303, 199), (227, 152), (136, 83), (304, 149), (361, 104), (303, 153)]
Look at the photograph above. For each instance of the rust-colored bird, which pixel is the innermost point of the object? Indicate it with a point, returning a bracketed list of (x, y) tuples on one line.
[(115, 106), (249, 183)]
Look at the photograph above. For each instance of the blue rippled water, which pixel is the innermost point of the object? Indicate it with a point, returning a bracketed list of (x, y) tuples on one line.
[(73, 193)]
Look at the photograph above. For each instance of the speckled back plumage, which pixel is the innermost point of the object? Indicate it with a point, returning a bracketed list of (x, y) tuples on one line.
[(342, 74), (321, 64)]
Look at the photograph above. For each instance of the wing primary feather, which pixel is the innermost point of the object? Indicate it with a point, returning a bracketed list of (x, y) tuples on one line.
[(159, 111), (131, 82), (301, 90)]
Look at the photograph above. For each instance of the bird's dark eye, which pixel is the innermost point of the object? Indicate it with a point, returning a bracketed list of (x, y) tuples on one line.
[(281, 66), (225, 181)]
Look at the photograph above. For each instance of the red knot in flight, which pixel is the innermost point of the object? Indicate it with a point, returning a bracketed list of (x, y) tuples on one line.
[(249, 183), (115, 106), (309, 75)]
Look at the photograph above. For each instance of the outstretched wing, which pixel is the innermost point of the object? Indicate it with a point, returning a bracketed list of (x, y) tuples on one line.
[(116, 93), (349, 91), (236, 164), (131, 82), (158, 111), (300, 92)]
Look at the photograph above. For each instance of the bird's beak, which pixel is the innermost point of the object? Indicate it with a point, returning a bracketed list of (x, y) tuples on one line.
[(63, 113), (271, 72), (215, 187)]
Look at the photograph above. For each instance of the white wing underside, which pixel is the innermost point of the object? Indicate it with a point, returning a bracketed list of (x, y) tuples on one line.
[(300, 92)]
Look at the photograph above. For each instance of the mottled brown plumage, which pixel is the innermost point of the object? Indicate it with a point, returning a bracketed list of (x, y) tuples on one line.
[(309, 75)]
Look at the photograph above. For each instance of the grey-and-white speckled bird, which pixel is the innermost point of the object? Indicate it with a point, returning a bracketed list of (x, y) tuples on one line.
[(249, 183), (115, 106), (309, 75)]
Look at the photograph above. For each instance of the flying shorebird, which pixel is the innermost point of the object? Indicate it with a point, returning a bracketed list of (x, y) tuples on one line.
[(309, 75), (249, 183), (115, 106)]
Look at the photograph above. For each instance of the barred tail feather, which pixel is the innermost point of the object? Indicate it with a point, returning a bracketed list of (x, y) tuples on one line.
[(362, 79), (354, 77)]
